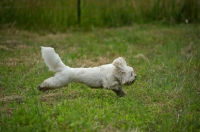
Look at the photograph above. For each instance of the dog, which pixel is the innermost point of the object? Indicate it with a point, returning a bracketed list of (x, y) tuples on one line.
[(110, 76)]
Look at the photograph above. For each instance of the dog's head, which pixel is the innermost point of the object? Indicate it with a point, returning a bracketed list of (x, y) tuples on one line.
[(125, 74)]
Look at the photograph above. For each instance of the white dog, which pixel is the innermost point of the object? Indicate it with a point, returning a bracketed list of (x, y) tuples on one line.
[(110, 76)]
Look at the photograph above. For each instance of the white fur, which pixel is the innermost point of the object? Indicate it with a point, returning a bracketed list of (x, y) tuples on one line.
[(109, 76)]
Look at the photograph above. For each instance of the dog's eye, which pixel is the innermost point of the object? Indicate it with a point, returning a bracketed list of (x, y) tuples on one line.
[(131, 74)]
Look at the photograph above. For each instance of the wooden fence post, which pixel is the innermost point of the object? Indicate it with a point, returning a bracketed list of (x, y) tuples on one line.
[(79, 12)]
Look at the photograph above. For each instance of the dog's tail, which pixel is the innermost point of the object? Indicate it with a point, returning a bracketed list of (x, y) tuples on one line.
[(52, 59)]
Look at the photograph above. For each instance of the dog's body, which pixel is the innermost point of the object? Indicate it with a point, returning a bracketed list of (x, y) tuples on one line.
[(109, 76)]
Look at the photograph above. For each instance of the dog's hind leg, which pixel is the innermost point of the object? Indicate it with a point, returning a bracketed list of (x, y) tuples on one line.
[(53, 83)]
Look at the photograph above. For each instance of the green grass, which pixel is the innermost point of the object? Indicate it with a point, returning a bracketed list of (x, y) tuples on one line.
[(165, 96)]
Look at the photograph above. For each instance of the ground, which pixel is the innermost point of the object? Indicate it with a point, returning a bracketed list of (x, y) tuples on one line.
[(165, 96)]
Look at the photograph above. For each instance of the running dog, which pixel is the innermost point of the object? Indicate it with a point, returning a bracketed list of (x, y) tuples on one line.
[(110, 76)]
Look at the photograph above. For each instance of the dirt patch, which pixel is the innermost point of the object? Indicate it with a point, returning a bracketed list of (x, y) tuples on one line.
[(9, 99), (12, 45), (110, 129), (4, 47), (93, 62)]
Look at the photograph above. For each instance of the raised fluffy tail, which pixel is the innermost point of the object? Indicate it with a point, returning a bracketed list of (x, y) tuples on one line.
[(52, 59)]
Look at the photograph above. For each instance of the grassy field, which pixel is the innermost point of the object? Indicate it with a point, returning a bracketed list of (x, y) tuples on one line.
[(165, 96)]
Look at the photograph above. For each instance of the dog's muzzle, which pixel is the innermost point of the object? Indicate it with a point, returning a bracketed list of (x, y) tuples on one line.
[(130, 83)]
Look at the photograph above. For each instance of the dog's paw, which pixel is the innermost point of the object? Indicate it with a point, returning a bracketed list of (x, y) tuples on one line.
[(119, 93), (43, 89)]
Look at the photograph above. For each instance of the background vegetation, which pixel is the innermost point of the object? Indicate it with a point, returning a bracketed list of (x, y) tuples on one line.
[(159, 38), (61, 15)]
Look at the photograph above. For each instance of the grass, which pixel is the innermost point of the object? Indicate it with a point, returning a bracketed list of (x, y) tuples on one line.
[(61, 15), (164, 98)]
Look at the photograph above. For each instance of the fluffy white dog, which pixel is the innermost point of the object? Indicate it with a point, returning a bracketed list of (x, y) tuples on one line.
[(110, 76)]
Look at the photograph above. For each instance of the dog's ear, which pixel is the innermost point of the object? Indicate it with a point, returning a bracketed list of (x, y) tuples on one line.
[(120, 65)]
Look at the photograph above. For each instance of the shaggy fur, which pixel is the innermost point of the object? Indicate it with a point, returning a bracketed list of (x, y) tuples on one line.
[(110, 76)]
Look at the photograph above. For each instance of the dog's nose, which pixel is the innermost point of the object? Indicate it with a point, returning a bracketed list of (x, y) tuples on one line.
[(135, 76)]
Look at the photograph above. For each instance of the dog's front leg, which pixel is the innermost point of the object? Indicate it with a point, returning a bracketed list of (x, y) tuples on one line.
[(119, 93), (117, 88)]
